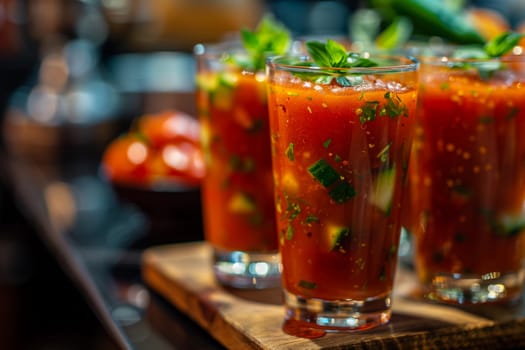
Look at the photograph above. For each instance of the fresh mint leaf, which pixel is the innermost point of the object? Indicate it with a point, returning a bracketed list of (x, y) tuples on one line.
[(332, 54), (495, 48), (269, 38)]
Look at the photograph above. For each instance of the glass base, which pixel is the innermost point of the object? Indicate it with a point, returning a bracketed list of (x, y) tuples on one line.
[(475, 289), (246, 269), (334, 315)]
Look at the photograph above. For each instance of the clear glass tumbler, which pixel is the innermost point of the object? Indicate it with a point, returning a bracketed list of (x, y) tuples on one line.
[(467, 179), (237, 190), (341, 140)]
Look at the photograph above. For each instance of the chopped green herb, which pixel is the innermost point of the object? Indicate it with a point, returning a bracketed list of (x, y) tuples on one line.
[(327, 143), (383, 154), (323, 172), (307, 284), (444, 86), (338, 158), (382, 274), (289, 232), (290, 151), (394, 106), (368, 111), (392, 252), (293, 209), (311, 219), (486, 120)]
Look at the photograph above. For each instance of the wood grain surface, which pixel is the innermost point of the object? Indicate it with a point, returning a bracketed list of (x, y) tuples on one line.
[(242, 319)]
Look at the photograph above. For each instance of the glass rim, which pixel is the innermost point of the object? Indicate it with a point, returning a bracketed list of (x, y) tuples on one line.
[(399, 64), (444, 60), (220, 48)]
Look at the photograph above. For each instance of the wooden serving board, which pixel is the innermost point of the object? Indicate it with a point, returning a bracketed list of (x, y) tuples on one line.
[(242, 319)]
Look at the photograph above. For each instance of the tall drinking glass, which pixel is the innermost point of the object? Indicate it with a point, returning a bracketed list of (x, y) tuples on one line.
[(341, 141), (237, 190), (467, 179)]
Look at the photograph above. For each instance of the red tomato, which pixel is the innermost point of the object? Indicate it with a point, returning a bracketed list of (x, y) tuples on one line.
[(126, 160), (165, 150), (182, 162), (169, 127)]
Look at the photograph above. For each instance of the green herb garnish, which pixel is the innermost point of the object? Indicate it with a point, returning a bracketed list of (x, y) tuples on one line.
[(311, 219), (368, 111), (332, 54), (290, 151), (269, 38), (294, 210), (383, 155), (393, 107), (289, 232), (495, 48), (307, 284)]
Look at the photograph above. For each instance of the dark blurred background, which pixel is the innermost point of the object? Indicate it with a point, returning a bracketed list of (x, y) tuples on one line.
[(111, 61)]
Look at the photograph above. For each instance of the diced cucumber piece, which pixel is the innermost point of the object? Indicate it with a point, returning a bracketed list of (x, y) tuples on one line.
[(290, 183), (241, 203), (323, 172), (511, 224), (383, 189), (336, 235), (211, 82)]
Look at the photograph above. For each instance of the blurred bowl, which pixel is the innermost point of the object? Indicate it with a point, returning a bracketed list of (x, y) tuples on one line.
[(174, 214)]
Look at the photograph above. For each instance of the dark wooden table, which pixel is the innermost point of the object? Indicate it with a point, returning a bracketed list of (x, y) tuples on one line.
[(156, 297), (253, 319), (98, 241)]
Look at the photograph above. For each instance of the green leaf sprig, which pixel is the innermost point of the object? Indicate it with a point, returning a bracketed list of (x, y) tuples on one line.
[(495, 48), (269, 38), (332, 54)]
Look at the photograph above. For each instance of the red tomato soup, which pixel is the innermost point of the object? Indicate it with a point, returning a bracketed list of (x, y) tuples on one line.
[(468, 173), (340, 156), (239, 209)]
